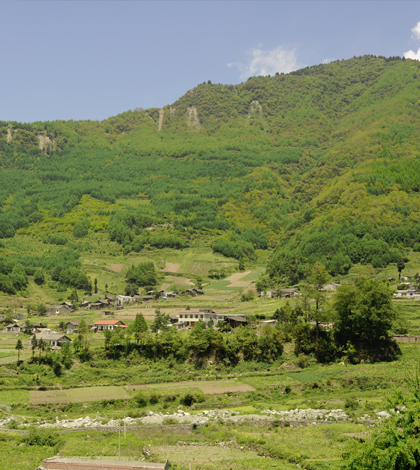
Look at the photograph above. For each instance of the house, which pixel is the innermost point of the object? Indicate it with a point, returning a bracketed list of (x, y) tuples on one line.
[(198, 291), (191, 292), (288, 293), (147, 298), (170, 295), (20, 316), (68, 304), (85, 305), (57, 309), (79, 463), (269, 294), (408, 294), (123, 299), (268, 322), (41, 329), (112, 325), (72, 326), (191, 317), (101, 303), (331, 287), (235, 320), (13, 328), (53, 339)]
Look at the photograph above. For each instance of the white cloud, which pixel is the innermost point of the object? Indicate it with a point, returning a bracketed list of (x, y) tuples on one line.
[(416, 31), (267, 62), (412, 55), (416, 35)]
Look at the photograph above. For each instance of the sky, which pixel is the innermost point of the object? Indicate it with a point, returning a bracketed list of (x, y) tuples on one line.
[(95, 59)]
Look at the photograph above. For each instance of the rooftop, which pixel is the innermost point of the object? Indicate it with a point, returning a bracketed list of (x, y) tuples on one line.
[(109, 322), (68, 463)]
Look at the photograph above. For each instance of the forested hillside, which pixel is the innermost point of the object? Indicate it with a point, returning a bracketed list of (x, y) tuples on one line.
[(320, 164)]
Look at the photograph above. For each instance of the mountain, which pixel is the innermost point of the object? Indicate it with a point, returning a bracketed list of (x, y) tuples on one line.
[(319, 164)]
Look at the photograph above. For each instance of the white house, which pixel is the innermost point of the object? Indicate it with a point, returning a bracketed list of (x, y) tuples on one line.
[(191, 317), (124, 299)]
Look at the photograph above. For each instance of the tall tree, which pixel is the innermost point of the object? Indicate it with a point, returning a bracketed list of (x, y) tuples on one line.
[(365, 311), (19, 348), (318, 277), (400, 266), (138, 327)]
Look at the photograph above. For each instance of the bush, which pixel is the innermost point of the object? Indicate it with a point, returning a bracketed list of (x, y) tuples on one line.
[(351, 403), (248, 296), (38, 437), (303, 361)]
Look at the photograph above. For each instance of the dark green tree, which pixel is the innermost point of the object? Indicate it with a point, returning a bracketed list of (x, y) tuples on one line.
[(138, 327), (39, 277), (400, 266), (364, 310), (96, 285), (19, 348), (161, 321)]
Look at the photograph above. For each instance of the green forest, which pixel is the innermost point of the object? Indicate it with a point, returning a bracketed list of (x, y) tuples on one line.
[(320, 164)]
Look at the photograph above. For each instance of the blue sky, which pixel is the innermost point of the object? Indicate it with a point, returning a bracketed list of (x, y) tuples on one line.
[(94, 59)]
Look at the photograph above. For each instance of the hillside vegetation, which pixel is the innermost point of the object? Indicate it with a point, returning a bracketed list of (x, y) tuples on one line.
[(317, 165)]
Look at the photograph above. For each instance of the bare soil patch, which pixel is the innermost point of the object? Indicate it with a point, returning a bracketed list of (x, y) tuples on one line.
[(116, 268), (201, 454), (172, 267), (75, 395), (240, 284), (180, 280), (214, 389), (237, 276)]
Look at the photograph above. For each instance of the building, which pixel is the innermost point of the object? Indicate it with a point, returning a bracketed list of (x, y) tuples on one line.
[(408, 294), (112, 325), (85, 305), (331, 287), (191, 317), (269, 294), (57, 309), (72, 326), (235, 320), (123, 299), (53, 339), (79, 463), (288, 293), (13, 328)]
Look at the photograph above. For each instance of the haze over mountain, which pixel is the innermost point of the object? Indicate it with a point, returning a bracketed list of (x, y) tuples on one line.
[(319, 164)]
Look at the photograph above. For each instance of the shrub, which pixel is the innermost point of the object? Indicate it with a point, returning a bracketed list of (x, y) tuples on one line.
[(351, 403)]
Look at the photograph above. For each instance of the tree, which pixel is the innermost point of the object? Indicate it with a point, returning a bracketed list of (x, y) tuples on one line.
[(318, 277), (73, 297), (395, 443), (19, 348), (106, 289), (400, 266), (34, 345), (41, 309), (41, 346), (39, 277), (62, 326), (160, 323), (29, 309), (199, 282), (96, 285), (365, 311), (138, 327)]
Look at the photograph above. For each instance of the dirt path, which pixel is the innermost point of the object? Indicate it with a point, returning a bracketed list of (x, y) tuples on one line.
[(116, 267), (172, 267), (235, 277)]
